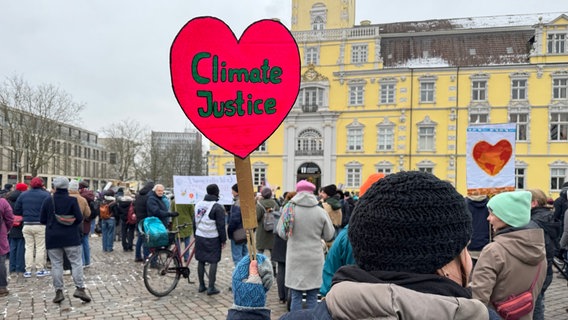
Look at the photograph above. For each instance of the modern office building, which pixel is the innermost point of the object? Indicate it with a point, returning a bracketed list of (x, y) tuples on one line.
[(399, 96), (73, 152)]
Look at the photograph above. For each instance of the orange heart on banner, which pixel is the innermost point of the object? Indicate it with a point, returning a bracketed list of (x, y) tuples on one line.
[(492, 158)]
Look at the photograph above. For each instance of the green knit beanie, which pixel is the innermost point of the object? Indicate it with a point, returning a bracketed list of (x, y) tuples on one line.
[(513, 208)]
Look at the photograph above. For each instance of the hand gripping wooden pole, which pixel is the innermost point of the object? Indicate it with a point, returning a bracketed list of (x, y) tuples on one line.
[(248, 204)]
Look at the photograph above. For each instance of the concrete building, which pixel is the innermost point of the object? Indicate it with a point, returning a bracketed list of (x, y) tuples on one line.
[(399, 96), (74, 152)]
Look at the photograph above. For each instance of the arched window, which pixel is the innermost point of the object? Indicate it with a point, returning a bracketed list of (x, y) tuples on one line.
[(309, 142)]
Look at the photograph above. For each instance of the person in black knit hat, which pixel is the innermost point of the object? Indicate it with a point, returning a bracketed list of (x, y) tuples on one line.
[(409, 234)]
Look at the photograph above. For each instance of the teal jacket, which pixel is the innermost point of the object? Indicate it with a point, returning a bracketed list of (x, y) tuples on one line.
[(340, 254)]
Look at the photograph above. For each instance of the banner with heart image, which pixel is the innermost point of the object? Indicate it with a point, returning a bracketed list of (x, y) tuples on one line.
[(490, 158)]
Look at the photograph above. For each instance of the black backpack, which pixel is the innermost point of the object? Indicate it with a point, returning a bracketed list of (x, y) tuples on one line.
[(94, 206), (552, 232)]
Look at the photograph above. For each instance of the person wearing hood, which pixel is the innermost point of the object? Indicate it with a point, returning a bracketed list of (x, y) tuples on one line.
[(63, 239), (210, 237), (331, 204), (141, 211), (303, 223), (518, 248)]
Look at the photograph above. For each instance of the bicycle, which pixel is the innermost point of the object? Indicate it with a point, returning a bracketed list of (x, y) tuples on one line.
[(164, 267)]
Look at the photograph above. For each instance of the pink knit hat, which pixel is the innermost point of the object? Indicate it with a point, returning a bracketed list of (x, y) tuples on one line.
[(305, 186)]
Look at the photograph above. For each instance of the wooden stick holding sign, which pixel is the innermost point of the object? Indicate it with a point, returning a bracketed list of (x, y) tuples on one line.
[(248, 204), (236, 92)]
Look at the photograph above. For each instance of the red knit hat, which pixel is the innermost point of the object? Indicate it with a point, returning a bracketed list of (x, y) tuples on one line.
[(21, 186), (36, 182)]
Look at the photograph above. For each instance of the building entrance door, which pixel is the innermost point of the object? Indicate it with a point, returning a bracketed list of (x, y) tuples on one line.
[(311, 172)]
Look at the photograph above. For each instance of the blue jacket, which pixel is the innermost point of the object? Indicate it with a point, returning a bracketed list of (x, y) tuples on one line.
[(340, 254), (235, 220), (29, 204), (56, 234)]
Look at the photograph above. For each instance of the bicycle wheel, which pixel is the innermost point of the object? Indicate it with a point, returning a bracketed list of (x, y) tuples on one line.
[(161, 272)]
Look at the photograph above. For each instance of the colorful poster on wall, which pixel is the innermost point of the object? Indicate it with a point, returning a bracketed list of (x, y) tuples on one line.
[(192, 189), (490, 158)]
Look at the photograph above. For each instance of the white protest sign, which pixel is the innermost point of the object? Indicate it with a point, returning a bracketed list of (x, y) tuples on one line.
[(192, 189)]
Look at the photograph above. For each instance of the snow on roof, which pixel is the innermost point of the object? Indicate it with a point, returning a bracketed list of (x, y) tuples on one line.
[(504, 21), (433, 62)]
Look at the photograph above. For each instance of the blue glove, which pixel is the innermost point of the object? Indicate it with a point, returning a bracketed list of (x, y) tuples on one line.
[(249, 288)]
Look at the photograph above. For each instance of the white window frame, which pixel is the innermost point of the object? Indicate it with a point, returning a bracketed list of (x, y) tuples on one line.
[(385, 136), (426, 166), (478, 115), (427, 91), (558, 130), (311, 98), (522, 133), (359, 53), (520, 177), (261, 147), (560, 88), (356, 94), (355, 135), (384, 167), (387, 93), (557, 177), (519, 89), (353, 174), (478, 90), (312, 55), (230, 170), (258, 174), (426, 135), (556, 43), (309, 140)]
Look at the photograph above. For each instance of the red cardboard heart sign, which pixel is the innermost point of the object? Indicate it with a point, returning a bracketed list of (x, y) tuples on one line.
[(236, 92)]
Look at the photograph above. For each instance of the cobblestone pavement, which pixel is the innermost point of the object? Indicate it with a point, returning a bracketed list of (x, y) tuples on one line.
[(114, 281)]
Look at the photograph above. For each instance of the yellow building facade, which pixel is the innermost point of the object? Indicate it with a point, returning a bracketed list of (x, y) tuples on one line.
[(400, 96)]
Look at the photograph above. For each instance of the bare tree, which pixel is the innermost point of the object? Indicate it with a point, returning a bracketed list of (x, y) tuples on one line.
[(183, 158), (146, 165), (123, 140), (32, 118)]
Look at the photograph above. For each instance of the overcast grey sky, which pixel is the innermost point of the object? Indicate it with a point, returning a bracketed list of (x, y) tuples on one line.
[(114, 55)]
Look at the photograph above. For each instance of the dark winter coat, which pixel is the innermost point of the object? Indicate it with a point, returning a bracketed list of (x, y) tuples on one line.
[(561, 204), (15, 232), (56, 234), (209, 249), (29, 205), (480, 225), (122, 205), (157, 208), (140, 207), (235, 218), (264, 239)]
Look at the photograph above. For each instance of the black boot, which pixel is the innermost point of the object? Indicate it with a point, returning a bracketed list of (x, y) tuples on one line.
[(212, 278), (58, 296), (201, 275)]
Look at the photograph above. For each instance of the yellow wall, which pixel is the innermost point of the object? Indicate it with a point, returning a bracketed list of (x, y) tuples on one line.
[(453, 92)]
